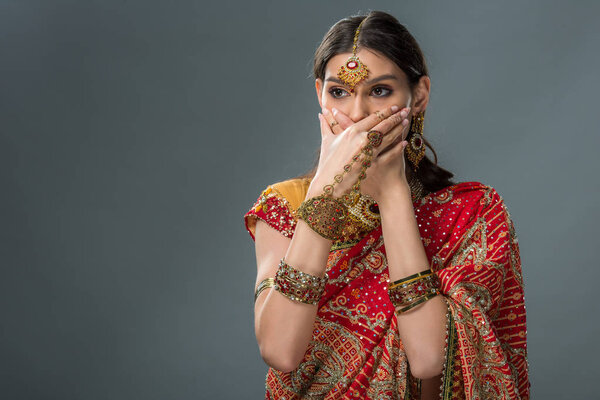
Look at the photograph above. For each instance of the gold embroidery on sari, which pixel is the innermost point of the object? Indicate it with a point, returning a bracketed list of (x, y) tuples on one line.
[(384, 380), (471, 305), (333, 359), (279, 212), (451, 386), (354, 267), (357, 314), (484, 352), (444, 197)]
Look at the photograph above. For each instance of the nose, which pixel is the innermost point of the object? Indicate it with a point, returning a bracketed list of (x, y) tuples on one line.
[(359, 109)]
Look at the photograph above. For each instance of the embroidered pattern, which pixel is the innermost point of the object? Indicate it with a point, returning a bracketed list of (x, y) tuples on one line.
[(356, 352), (273, 208)]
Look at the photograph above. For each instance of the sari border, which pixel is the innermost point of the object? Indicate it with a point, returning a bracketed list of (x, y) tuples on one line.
[(449, 355)]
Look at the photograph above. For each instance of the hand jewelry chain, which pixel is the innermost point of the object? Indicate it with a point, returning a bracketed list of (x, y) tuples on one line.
[(327, 215)]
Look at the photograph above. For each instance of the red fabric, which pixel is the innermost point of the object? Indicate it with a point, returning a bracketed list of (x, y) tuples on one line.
[(356, 351)]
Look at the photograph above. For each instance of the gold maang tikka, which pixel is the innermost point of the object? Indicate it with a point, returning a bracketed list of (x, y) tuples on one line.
[(353, 71)]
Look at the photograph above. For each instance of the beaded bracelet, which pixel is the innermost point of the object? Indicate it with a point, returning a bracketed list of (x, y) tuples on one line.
[(264, 284), (414, 289), (298, 285)]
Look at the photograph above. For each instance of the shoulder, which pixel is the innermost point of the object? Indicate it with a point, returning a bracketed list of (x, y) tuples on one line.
[(293, 191), (277, 204), (474, 189), (484, 197), (476, 195)]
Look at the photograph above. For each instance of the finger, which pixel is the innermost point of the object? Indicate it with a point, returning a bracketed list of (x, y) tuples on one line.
[(377, 120), (399, 119), (395, 150), (334, 125), (344, 120), (325, 128), (392, 137), (385, 148)]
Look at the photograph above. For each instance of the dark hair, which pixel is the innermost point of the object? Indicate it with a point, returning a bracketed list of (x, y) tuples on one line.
[(382, 33)]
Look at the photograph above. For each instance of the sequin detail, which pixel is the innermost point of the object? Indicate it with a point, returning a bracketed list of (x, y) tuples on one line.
[(356, 352)]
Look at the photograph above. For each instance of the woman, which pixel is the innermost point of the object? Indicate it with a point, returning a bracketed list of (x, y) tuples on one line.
[(435, 312)]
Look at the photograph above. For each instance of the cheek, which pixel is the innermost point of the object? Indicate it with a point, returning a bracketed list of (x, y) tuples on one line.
[(327, 100), (330, 102), (401, 98)]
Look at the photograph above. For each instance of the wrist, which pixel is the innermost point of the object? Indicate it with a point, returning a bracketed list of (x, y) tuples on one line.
[(315, 188), (395, 195)]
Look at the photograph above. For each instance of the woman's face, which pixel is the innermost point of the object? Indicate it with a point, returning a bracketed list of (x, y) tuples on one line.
[(386, 85)]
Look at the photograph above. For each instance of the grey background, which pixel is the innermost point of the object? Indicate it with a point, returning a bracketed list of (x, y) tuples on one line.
[(136, 134)]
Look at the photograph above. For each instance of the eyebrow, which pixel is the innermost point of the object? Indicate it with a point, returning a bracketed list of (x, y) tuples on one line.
[(379, 78)]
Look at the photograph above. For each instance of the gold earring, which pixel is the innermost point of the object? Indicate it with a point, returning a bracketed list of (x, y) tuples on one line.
[(353, 71), (415, 151)]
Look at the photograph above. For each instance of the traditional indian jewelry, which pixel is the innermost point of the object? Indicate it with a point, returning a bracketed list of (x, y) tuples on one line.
[(414, 289), (374, 137), (334, 123), (324, 214), (417, 189), (421, 300), (264, 284), (297, 285), (415, 150), (327, 215), (380, 115), (353, 71)]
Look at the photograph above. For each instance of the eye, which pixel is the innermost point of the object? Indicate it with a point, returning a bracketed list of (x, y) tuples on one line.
[(336, 92), (379, 89)]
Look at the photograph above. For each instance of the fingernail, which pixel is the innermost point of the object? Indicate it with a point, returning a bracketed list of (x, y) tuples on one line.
[(325, 111), (395, 108), (335, 111)]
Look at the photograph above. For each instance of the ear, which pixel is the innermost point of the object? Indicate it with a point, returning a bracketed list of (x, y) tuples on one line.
[(319, 88), (421, 95)]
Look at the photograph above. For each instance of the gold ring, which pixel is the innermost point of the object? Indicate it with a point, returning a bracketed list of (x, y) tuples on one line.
[(334, 123), (380, 115)]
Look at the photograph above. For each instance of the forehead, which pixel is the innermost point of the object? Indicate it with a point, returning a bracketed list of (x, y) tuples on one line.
[(376, 63)]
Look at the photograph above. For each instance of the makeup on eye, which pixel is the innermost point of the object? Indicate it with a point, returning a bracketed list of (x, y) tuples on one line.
[(333, 90)]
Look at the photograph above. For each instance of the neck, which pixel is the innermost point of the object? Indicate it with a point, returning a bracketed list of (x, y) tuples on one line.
[(408, 172)]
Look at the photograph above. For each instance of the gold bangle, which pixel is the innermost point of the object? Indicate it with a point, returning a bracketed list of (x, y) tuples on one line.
[(413, 288), (417, 302), (264, 284), (411, 278)]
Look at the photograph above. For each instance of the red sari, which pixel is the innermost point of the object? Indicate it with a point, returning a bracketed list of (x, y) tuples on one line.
[(356, 352)]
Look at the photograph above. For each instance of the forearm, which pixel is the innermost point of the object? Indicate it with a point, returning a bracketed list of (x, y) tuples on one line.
[(423, 328), (285, 326)]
